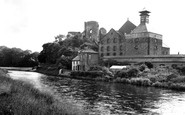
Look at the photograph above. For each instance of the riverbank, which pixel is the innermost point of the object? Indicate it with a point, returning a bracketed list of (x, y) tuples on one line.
[(18, 68), (155, 77), (21, 98)]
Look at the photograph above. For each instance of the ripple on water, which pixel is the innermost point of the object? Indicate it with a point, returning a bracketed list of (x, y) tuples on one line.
[(108, 98)]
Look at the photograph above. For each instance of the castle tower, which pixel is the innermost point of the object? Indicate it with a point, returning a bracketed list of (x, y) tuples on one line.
[(144, 17), (92, 31)]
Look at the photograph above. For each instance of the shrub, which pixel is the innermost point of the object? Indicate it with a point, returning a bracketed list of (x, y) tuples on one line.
[(142, 68), (182, 70), (149, 65), (133, 73), (178, 79), (157, 84), (121, 74), (140, 81), (171, 76)]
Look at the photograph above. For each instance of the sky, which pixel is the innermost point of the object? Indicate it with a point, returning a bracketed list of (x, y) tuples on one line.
[(28, 24)]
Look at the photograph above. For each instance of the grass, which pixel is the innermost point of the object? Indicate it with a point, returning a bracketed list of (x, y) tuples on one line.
[(20, 98)]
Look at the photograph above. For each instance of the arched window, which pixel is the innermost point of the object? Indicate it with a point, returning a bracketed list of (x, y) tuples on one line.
[(102, 48), (102, 55), (114, 40), (108, 48), (114, 48)]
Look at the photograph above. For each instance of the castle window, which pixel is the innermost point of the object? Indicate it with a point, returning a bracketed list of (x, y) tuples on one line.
[(108, 54), (108, 48), (115, 40), (114, 54), (114, 48), (90, 31), (108, 40), (102, 48), (156, 47), (121, 48), (121, 54)]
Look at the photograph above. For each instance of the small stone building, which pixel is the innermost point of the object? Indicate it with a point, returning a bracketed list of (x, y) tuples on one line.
[(86, 58)]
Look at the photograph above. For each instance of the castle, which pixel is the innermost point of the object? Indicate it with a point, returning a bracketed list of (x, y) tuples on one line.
[(131, 43)]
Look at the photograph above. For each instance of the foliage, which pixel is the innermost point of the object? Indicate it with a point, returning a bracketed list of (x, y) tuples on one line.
[(182, 70), (133, 72), (63, 51), (142, 68), (15, 57), (140, 81), (122, 74), (149, 65)]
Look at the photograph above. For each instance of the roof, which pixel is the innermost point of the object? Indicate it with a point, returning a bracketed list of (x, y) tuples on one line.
[(127, 27), (117, 67), (76, 58), (88, 51), (143, 27)]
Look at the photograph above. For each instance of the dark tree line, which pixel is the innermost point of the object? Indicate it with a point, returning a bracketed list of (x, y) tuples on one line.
[(16, 57), (62, 52)]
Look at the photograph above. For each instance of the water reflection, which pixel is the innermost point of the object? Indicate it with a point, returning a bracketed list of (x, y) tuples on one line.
[(107, 98), (112, 98)]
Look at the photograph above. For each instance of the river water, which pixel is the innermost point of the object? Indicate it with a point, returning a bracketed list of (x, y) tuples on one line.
[(110, 98)]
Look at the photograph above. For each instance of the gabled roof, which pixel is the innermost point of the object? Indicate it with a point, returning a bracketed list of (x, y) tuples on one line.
[(111, 30), (76, 58), (143, 28), (127, 27)]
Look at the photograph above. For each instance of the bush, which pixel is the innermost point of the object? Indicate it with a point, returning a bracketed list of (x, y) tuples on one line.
[(171, 76), (149, 65), (142, 68), (121, 74), (157, 84), (178, 79), (133, 73), (140, 81), (182, 70)]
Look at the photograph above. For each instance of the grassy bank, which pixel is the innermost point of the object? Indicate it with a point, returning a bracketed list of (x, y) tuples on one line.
[(20, 98), (162, 78), (139, 75)]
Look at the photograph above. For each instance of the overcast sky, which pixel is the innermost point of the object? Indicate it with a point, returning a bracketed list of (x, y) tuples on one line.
[(28, 24)]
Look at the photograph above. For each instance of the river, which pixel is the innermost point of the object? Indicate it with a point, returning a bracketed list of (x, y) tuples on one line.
[(109, 98)]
